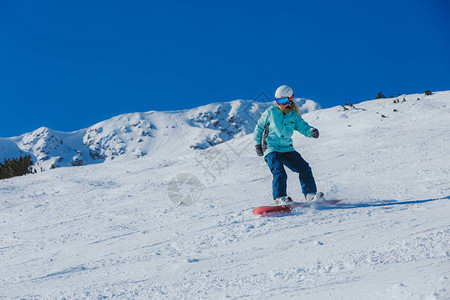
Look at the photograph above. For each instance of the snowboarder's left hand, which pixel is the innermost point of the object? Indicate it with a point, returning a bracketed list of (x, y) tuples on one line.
[(314, 133), (259, 150)]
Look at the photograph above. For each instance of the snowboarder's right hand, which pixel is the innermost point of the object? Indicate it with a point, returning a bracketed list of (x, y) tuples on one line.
[(259, 150)]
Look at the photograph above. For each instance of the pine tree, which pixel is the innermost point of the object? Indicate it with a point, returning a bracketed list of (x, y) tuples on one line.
[(380, 95), (12, 167)]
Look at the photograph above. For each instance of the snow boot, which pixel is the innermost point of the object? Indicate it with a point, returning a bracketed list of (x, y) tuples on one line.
[(315, 197), (285, 200)]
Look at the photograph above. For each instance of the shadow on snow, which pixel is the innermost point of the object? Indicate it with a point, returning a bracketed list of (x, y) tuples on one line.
[(386, 203)]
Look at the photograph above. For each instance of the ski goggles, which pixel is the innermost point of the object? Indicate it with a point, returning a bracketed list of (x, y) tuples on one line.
[(284, 101)]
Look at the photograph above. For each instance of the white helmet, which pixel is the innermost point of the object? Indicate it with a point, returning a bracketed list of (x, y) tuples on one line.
[(284, 91), (284, 95)]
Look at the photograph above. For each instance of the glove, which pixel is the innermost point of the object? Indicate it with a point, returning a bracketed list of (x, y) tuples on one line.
[(314, 133), (259, 150)]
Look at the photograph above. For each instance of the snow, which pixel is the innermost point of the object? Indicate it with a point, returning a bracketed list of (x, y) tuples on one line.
[(110, 230)]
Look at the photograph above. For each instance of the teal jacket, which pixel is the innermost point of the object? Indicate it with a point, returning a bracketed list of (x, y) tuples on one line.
[(281, 127)]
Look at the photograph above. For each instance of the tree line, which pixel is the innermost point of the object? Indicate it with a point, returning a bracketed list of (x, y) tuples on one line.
[(11, 167)]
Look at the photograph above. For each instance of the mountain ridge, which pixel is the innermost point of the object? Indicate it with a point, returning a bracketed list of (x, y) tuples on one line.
[(139, 134)]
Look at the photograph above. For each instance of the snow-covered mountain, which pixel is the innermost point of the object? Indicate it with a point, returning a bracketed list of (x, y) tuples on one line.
[(113, 231), (138, 134)]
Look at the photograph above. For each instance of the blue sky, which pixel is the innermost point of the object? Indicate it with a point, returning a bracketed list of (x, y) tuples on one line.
[(70, 64)]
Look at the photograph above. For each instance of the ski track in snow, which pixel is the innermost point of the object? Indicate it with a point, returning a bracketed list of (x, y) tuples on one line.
[(110, 231)]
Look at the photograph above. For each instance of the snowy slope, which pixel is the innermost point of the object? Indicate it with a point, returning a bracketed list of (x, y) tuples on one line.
[(112, 231), (139, 134)]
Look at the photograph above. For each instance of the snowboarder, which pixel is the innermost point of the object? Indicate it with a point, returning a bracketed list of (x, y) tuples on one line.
[(273, 140)]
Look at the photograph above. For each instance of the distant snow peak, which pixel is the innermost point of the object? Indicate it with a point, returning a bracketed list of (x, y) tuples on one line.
[(40, 143), (226, 120), (118, 136)]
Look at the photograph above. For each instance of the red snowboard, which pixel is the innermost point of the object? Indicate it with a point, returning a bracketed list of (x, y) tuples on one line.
[(287, 208)]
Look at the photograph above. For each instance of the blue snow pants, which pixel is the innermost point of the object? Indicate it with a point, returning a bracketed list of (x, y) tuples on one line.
[(294, 161)]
